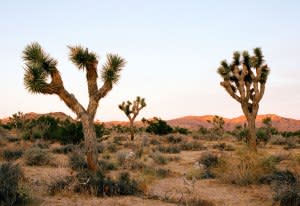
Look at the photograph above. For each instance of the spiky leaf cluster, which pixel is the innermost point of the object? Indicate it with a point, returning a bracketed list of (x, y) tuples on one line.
[(82, 57), (132, 109), (38, 67), (229, 72), (112, 68)]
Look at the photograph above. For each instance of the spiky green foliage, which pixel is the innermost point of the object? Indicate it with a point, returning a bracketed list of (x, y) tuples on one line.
[(38, 67), (251, 62), (112, 68), (133, 108), (82, 57)]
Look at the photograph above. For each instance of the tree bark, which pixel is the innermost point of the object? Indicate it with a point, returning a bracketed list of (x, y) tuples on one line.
[(131, 131), (90, 142), (252, 133)]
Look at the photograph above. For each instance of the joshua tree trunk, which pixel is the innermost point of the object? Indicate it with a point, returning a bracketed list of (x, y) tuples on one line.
[(252, 133), (90, 142), (131, 130)]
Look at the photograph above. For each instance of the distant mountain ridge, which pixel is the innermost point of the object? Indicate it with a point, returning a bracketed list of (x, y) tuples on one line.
[(192, 122)]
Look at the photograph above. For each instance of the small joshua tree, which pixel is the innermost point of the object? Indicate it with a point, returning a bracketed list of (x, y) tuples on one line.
[(131, 110), (247, 76), (42, 76), (218, 125)]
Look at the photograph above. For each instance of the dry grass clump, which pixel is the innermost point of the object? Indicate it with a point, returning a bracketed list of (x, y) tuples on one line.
[(159, 158), (37, 157), (77, 161), (248, 168), (12, 154)]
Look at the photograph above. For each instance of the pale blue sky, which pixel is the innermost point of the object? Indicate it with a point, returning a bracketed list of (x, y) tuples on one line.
[(173, 49)]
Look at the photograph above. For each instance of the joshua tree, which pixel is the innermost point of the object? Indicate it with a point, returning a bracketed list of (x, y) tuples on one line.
[(131, 110), (247, 76), (42, 76), (218, 125)]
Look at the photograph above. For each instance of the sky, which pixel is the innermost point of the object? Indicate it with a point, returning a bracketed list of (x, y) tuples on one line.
[(173, 49)]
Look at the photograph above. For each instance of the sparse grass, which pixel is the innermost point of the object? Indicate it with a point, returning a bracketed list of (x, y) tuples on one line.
[(112, 147), (193, 145), (248, 169), (159, 158), (172, 149), (223, 147)]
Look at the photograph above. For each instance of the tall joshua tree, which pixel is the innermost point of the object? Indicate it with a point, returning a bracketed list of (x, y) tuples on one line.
[(42, 76), (244, 80), (131, 110)]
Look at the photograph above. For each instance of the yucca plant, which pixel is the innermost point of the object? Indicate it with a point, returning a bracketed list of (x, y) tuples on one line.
[(244, 80), (131, 110), (43, 77)]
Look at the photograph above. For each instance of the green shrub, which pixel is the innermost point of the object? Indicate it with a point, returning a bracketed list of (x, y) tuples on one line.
[(77, 161), (10, 154), (126, 185), (181, 130), (158, 126), (37, 156), (10, 175), (263, 135)]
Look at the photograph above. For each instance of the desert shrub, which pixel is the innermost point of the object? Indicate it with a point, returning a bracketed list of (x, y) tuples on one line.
[(173, 149), (209, 160), (286, 187), (10, 154), (158, 126), (126, 185), (98, 184), (65, 149), (193, 145), (263, 135), (159, 158), (174, 139), (223, 147), (10, 176), (12, 139), (77, 161), (290, 145), (107, 165), (249, 168), (121, 157), (59, 184), (111, 147), (278, 140), (155, 142), (118, 139), (181, 130), (36, 156), (41, 145)]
